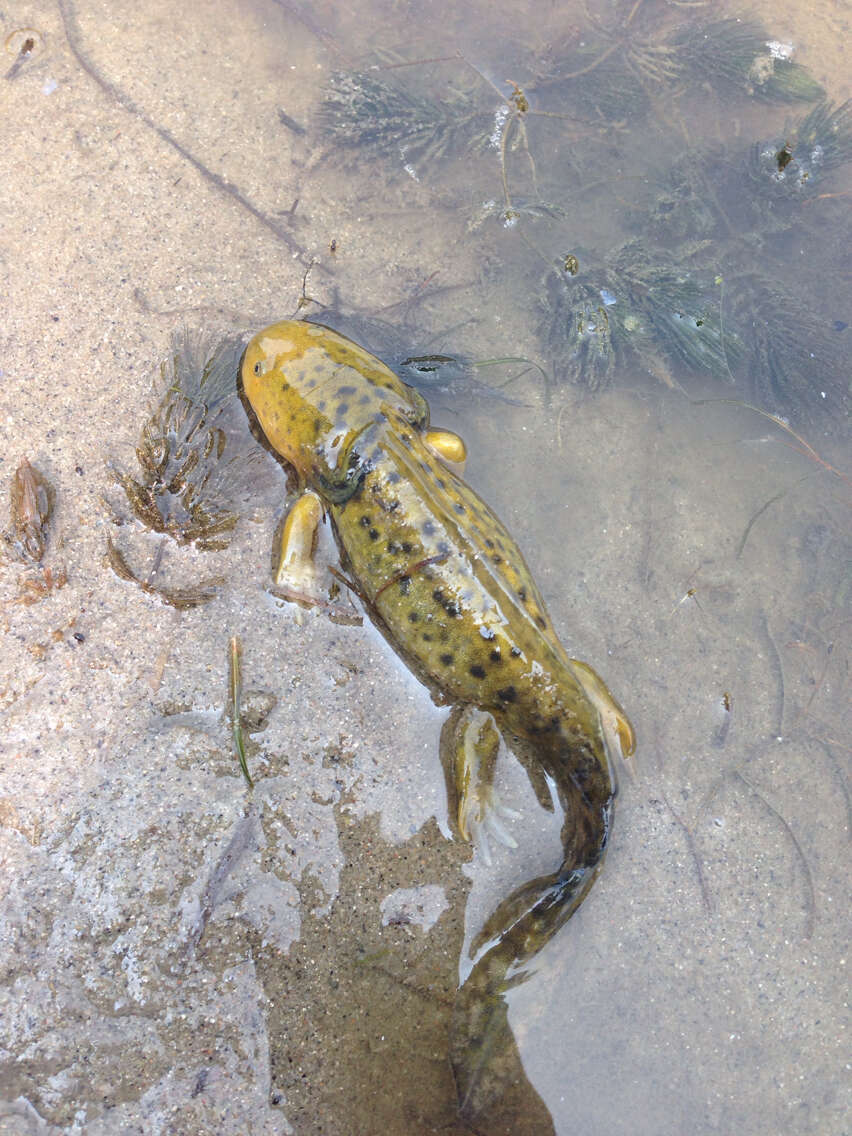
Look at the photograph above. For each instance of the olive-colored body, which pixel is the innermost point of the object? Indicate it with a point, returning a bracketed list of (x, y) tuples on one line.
[(449, 587)]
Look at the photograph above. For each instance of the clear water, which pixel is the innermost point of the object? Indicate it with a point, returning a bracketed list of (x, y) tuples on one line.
[(179, 955)]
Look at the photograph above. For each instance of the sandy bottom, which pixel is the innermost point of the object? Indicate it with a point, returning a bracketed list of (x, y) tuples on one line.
[(182, 955)]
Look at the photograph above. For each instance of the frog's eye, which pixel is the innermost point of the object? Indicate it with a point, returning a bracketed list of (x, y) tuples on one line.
[(258, 368)]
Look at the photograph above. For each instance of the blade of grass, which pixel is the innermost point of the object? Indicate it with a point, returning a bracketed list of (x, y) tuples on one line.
[(235, 690)]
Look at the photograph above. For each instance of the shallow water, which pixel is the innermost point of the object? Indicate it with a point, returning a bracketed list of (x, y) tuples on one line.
[(181, 955)]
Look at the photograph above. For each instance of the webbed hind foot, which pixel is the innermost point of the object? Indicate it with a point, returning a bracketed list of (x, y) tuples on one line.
[(470, 743)]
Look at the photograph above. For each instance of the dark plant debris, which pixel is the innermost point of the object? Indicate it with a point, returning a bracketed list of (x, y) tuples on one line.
[(196, 459), (31, 502), (200, 469)]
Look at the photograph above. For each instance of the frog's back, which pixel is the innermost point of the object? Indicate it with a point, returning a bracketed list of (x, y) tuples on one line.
[(451, 586)]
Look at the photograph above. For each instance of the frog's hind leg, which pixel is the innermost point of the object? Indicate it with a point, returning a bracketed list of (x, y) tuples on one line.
[(470, 742), (617, 729)]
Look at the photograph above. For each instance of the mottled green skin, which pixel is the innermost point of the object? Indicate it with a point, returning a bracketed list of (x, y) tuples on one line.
[(437, 566), (448, 585)]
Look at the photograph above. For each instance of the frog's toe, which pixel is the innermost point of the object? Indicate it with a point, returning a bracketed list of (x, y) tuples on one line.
[(495, 825), (479, 840), (488, 827), (449, 448), (481, 816), (301, 586)]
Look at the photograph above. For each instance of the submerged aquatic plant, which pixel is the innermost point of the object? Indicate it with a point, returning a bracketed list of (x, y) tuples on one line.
[(196, 461), (795, 165), (638, 305), (509, 215), (736, 56), (577, 330), (660, 309), (795, 360), (362, 111), (680, 307), (199, 464), (181, 598), (616, 74), (686, 207), (596, 82)]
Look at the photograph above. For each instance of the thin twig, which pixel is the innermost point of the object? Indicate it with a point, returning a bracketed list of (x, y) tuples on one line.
[(807, 449), (779, 731), (810, 904), (817, 687), (690, 842), (75, 42), (418, 62)]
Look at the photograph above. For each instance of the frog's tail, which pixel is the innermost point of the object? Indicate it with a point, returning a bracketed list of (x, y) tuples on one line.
[(483, 1052)]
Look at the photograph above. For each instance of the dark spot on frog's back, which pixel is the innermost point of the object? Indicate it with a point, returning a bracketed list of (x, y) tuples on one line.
[(449, 605), (507, 694), (345, 392), (447, 659), (477, 671)]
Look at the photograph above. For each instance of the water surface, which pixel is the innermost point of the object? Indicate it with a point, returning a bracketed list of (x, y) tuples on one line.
[(181, 955)]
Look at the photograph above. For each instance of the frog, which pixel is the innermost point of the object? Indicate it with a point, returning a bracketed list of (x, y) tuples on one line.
[(443, 580)]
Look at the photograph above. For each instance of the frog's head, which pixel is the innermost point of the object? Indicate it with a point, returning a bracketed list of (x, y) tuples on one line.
[(314, 391), (279, 379)]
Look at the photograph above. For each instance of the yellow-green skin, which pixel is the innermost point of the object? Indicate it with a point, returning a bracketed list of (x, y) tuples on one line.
[(448, 585)]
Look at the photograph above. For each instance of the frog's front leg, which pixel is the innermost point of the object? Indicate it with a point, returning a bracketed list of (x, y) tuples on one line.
[(470, 742), (296, 576)]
